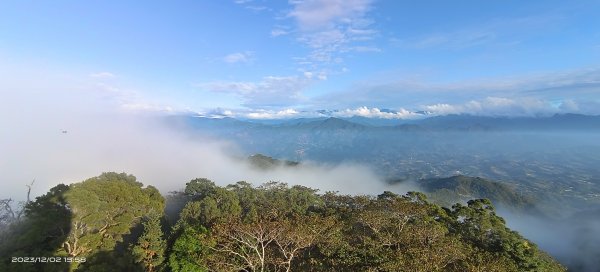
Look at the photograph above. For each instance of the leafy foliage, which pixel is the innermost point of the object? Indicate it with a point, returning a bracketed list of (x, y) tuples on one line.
[(274, 227), (150, 248), (92, 219), (117, 225), (447, 191)]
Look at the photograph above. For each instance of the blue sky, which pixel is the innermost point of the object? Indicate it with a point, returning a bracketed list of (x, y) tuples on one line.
[(275, 59)]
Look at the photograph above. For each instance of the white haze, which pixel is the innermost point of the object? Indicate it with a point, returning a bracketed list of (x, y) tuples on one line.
[(61, 133)]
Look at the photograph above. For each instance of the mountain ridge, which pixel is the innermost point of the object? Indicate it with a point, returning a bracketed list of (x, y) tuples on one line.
[(458, 122)]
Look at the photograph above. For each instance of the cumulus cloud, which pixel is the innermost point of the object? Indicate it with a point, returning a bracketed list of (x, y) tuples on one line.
[(264, 114), (217, 113), (376, 113), (496, 106)]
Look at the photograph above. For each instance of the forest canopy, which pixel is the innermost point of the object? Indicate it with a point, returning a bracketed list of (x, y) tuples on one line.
[(113, 223)]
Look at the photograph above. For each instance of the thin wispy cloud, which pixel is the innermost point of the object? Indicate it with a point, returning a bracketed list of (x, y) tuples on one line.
[(364, 49), (278, 32), (252, 5), (239, 57), (457, 40), (257, 8), (331, 28), (271, 91), (503, 31), (102, 75), (319, 14)]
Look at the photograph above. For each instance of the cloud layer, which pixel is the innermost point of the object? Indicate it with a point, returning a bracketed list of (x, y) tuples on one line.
[(62, 133)]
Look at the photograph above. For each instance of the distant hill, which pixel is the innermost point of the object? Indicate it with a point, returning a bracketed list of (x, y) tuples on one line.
[(462, 188), (331, 123), (265, 162)]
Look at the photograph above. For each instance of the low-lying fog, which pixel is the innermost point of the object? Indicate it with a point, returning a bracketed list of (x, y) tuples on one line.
[(64, 137)]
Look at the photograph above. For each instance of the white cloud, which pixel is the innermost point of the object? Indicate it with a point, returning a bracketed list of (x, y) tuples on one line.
[(365, 49), (271, 91), (569, 105), (278, 32), (322, 76), (265, 114), (315, 14), (239, 57), (375, 113), (504, 31), (257, 8), (332, 27), (102, 75), (496, 106), (294, 113), (455, 40)]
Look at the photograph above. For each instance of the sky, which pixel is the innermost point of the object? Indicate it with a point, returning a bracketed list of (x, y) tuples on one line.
[(283, 59)]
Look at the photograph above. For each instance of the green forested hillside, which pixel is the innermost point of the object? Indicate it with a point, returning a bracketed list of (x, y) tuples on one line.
[(446, 191), (113, 223)]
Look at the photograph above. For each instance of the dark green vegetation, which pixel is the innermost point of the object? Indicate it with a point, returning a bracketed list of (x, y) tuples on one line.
[(116, 224), (265, 163), (446, 191)]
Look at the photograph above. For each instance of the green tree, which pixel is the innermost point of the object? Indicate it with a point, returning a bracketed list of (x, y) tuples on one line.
[(104, 209), (478, 224), (190, 250), (41, 233), (150, 248)]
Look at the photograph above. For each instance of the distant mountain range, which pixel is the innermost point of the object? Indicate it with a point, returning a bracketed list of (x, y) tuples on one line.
[(447, 122)]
